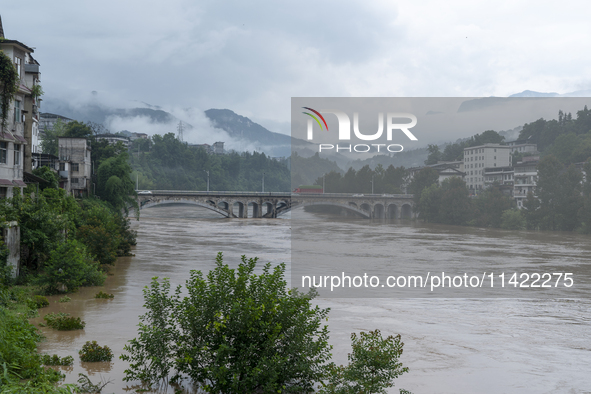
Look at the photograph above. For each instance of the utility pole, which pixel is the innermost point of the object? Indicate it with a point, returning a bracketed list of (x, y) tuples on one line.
[(179, 129), (372, 184), (263, 182), (323, 189), (207, 172)]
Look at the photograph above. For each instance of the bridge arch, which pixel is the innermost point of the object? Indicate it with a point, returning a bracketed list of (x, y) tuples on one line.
[(255, 208), (347, 207), (379, 211), (151, 204), (406, 211), (392, 211)]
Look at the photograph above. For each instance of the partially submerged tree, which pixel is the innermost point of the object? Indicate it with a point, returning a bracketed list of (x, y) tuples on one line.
[(233, 332)]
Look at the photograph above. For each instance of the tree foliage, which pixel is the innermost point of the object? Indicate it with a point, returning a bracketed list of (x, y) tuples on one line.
[(114, 184), (50, 140), (69, 267), (174, 165), (8, 86), (234, 332), (373, 366)]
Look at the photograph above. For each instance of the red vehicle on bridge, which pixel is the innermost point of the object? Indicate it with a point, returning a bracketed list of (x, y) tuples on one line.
[(309, 189)]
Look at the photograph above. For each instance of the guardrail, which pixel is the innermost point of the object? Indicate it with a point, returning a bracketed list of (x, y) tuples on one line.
[(278, 194)]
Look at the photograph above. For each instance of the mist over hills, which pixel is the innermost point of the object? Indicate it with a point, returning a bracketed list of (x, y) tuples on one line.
[(238, 132)]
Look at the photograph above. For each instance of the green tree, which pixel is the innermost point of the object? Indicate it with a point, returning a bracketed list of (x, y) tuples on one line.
[(490, 205), (456, 205), (50, 139), (69, 267), (531, 212), (233, 332), (8, 86), (75, 129), (421, 180), (513, 219), (434, 155), (373, 366), (431, 204), (560, 194), (585, 212), (49, 175), (114, 184)]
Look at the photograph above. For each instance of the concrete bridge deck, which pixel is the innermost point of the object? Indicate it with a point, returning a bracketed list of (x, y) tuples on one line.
[(236, 204)]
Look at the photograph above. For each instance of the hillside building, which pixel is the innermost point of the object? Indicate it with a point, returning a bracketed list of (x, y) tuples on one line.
[(75, 166), (20, 136), (477, 158)]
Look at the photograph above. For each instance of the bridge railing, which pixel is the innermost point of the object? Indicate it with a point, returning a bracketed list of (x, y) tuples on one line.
[(277, 194)]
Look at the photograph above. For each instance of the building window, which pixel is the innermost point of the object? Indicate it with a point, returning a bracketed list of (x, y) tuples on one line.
[(3, 192), (3, 152), (17, 64), (75, 180), (74, 167), (62, 166), (17, 154), (17, 111)]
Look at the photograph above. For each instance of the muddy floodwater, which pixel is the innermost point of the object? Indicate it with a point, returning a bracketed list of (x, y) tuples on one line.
[(452, 345)]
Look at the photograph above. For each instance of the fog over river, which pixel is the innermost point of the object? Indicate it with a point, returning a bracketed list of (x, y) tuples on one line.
[(451, 345)]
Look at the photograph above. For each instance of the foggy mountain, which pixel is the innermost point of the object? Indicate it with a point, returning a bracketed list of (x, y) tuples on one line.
[(238, 132)]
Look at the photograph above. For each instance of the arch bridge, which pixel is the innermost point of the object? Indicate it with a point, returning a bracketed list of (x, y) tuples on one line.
[(272, 205)]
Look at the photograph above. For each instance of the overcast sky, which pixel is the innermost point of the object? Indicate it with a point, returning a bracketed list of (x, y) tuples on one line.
[(253, 56)]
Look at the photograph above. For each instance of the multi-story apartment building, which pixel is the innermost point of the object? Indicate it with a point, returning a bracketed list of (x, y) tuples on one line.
[(503, 177), (75, 166), (522, 146), (17, 139), (47, 121), (526, 177), (477, 158), (113, 139)]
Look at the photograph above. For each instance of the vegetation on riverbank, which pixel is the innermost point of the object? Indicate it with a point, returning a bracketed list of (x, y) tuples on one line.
[(65, 244), (238, 332), (165, 163), (563, 201)]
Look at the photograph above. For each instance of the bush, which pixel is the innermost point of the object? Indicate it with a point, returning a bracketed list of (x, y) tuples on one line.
[(37, 302), (512, 219), (18, 355), (100, 294), (65, 299), (234, 332), (91, 351), (46, 359), (64, 322), (373, 366), (70, 267)]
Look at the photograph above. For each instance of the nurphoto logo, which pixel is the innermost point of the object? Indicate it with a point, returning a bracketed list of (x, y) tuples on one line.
[(344, 131)]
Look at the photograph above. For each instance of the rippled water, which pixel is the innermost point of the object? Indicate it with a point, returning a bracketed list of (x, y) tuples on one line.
[(451, 345)]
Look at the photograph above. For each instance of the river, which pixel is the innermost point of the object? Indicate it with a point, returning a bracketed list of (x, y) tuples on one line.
[(452, 345)]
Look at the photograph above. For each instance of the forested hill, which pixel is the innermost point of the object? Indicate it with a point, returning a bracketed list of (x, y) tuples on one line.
[(165, 163), (241, 128)]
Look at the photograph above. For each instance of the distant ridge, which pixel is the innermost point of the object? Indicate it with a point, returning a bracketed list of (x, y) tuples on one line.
[(240, 127), (531, 93)]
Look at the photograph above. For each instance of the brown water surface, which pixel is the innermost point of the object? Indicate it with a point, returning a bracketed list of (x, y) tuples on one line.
[(451, 345)]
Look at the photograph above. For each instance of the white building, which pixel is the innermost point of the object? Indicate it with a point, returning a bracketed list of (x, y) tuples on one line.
[(526, 177), (477, 158), (75, 167), (113, 139), (522, 146), (13, 144)]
